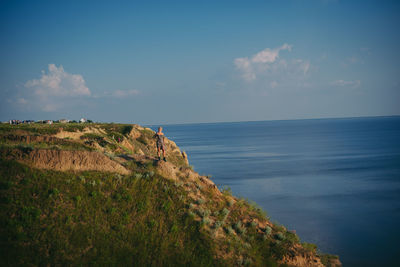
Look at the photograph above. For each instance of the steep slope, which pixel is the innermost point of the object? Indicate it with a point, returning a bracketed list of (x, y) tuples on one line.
[(73, 194)]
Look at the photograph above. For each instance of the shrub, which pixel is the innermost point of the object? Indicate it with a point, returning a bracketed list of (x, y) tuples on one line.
[(92, 136), (279, 236), (309, 246), (247, 261), (204, 213), (54, 192), (68, 219), (166, 206), (205, 220), (268, 230), (82, 179), (117, 197), (112, 147), (237, 225), (127, 197), (247, 245), (115, 136), (292, 237), (229, 230), (207, 213), (126, 129), (178, 184), (224, 212), (174, 228), (326, 259), (200, 201), (218, 224), (226, 190), (111, 210), (279, 228), (239, 228)]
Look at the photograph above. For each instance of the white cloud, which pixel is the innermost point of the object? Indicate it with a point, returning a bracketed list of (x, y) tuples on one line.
[(56, 90), (52, 91), (267, 62), (58, 82), (269, 55), (343, 83), (258, 62), (244, 65)]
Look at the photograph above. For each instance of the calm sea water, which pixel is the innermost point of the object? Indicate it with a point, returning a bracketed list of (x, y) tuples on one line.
[(335, 181)]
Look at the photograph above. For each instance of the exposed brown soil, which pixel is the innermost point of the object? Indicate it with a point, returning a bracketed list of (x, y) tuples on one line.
[(64, 160), (77, 135), (30, 138)]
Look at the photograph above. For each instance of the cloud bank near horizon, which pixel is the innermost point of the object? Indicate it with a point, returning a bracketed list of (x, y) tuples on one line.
[(56, 89)]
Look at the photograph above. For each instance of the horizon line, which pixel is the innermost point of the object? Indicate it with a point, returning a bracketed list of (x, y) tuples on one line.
[(318, 118)]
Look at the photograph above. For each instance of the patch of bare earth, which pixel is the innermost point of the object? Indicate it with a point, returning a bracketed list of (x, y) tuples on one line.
[(64, 160), (77, 135)]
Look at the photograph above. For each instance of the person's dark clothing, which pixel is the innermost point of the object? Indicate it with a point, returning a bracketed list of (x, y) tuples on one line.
[(160, 141)]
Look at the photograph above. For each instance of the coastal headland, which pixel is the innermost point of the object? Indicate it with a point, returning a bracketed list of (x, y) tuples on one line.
[(96, 194)]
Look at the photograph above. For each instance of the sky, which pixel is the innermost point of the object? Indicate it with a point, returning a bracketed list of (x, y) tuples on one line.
[(163, 62)]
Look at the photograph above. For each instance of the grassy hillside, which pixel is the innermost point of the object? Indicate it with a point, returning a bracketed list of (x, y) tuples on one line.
[(143, 213), (66, 218)]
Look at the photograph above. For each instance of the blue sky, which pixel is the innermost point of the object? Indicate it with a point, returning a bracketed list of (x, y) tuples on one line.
[(164, 62)]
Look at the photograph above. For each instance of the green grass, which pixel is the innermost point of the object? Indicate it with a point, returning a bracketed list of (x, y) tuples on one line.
[(326, 259), (91, 218), (96, 138), (59, 144), (42, 128)]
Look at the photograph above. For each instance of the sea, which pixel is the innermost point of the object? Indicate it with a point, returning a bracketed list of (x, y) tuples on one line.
[(336, 182)]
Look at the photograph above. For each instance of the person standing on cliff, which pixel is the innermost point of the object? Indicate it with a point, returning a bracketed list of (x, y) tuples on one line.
[(160, 143)]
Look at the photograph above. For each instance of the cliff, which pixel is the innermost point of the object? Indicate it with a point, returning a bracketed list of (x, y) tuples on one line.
[(74, 194)]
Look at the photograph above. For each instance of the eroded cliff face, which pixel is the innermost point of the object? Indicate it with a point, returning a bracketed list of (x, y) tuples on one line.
[(64, 160), (92, 148), (236, 227)]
